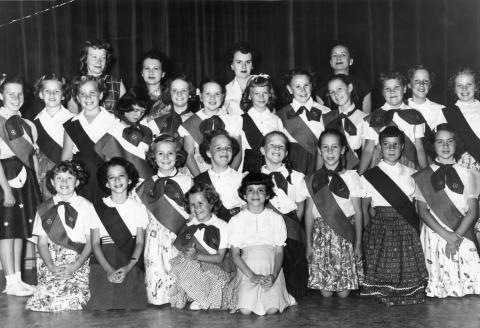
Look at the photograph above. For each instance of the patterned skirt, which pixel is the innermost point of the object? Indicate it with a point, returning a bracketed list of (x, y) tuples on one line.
[(44, 165), (253, 297), (395, 269), (159, 251), (468, 161), (334, 266), (130, 294), (55, 294), (204, 283)]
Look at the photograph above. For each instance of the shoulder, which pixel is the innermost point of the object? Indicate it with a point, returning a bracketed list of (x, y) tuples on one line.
[(297, 177), (184, 181)]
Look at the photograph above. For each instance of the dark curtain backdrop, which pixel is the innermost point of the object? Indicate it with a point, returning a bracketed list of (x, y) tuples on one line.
[(387, 34)]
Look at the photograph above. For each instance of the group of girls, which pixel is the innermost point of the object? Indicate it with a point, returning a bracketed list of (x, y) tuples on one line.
[(238, 206)]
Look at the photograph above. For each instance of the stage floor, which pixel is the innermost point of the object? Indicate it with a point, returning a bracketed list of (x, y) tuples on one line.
[(312, 311)]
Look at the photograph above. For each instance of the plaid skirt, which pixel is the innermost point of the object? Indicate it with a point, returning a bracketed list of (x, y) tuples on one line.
[(395, 270)]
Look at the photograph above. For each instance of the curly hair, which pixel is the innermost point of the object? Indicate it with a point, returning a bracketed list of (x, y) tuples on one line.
[(193, 100), (207, 141), (242, 47), (392, 75), (8, 79), (257, 179), (258, 81), (459, 144), (39, 84), (75, 168), (79, 81), (213, 198), (341, 43), (411, 72), (140, 88), (96, 44), (181, 155), (126, 103), (287, 79), (463, 71), (347, 81), (132, 173)]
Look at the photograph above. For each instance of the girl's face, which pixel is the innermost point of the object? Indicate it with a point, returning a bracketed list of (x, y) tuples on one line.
[(242, 65), (96, 61), (465, 87), (340, 93), (12, 96), (65, 184), (255, 195), (331, 150), (391, 148), (220, 151), (200, 207), (152, 71), (165, 156), (89, 96), (393, 92), (420, 84), (117, 179), (340, 59), (260, 97), (51, 93), (275, 149), (301, 88), (445, 145), (135, 115), (179, 92), (211, 96)]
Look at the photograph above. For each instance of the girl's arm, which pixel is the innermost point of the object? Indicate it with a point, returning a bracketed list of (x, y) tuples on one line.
[(189, 146), (366, 210), (357, 205), (367, 103), (422, 158), (209, 258), (9, 199), (72, 106), (72, 267), (237, 160), (45, 254), (367, 155), (277, 266), (97, 251), (309, 229), (240, 263), (137, 252), (300, 210), (67, 150), (123, 90), (469, 218), (319, 163)]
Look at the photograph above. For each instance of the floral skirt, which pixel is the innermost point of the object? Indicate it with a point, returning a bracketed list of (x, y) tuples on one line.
[(395, 269), (159, 251), (204, 283), (334, 266), (456, 277), (44, 165), (55, 294)]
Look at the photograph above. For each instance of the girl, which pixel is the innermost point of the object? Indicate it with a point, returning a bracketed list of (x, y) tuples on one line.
[(198, 270), (257, 236), (240, 60), (211, 116), (62, 226), (394, 112), (163, 195), (181, 100), (302, 120), (448, 204), (333, 221), (117, 275), (420, 81), (258, 100), (20, 193), (341, 58), (349, 120), (96, 60), (128, 138), (151, 68), (218, 149), (288, 202), (395, 269), (49, 123), (85, 129)]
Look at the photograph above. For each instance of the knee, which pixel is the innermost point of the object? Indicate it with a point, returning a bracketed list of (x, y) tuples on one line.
[(245, 311), (343, 293), (326, 293), (272, 311)]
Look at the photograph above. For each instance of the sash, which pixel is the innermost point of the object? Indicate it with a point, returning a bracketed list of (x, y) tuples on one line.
[(192, 126), (47, 145), (54, 228), (328, 208), (117, 229), (108, 147), (456, 119), (440, 203), (161, 209), (393, 195), (299, 130), (223, 213), (253, 158), (169, 123), (295, 230), (12, 136)]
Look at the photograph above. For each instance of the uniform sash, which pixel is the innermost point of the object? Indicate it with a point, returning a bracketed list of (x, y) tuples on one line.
[(393, 195), (253, 159), (47, 145), (169, 123), (11, 131), (299, 130), (192, 126), (54, 228)]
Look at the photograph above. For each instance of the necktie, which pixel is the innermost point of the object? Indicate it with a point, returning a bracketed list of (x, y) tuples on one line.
[(136, 133), (166, 186), (314, 114), (347, 123), (336, 184), (280, 181), (446, 174), (210, 124), (384, 117), (70, 213)]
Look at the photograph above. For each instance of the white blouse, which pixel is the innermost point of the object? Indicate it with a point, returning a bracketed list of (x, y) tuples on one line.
[(431, 111), (316, 127), (233, 96), (226, 184), (358, 119), (5, 151), (218, 223), (471, 112), (53, 125), (265, 121)]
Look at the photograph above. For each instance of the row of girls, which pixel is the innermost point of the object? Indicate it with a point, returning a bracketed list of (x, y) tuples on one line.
[(302, 218)]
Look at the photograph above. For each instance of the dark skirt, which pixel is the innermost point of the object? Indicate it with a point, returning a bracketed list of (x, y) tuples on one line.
[(17, 221), (295, 268), (130, 294), (302, 161), (91, 190), (395, 270)]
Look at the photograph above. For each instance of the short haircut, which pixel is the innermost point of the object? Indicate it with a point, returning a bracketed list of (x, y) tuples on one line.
[(181, 154), (75, 168), (207, 141), (132, 173), (257, 179), (392, 132), (213, 198)]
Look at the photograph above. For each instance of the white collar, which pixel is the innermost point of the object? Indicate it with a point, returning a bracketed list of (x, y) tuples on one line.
[(161, 175), (387, 106), (282, 169), (308, 105)]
